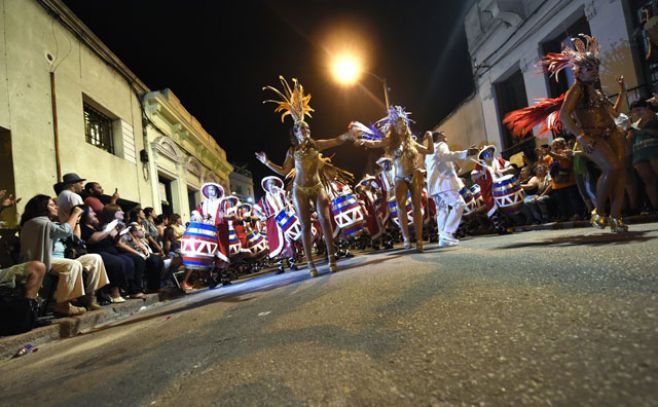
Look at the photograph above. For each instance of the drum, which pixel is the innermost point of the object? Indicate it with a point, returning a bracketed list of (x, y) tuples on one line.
[(393, 209), (471, 203), (508, 194), (199, 245), (234, 244), (477, 198), (289, 224), (257, 244), (348, 213)]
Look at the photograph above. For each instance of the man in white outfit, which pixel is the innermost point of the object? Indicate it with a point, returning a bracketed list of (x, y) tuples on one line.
[(443, 186)]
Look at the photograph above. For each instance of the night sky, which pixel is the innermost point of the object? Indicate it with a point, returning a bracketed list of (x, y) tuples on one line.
[(217, 55)]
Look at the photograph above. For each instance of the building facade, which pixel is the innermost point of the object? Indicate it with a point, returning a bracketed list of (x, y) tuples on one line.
[(506, 40), (242, 184), (68, 104), (180, 155)]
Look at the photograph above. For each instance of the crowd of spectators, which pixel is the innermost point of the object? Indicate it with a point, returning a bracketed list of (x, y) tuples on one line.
[(99, 254)]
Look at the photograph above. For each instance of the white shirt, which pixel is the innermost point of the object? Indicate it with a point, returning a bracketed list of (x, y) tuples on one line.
[(65, 202), (441, 172)]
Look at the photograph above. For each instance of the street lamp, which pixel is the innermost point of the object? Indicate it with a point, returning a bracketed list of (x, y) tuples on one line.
[(347, 70)]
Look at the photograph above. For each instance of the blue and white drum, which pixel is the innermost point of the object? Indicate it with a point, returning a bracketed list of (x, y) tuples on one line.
[(199, 245), (508, 194), (348, 213)]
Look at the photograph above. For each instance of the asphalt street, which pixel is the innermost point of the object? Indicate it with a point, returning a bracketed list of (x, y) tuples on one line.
[(563, 317)]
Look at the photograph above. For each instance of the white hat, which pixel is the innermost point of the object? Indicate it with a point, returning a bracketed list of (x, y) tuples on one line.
[(264, 182)]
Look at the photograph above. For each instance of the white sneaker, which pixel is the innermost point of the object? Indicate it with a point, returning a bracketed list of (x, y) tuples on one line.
[(447, 242)]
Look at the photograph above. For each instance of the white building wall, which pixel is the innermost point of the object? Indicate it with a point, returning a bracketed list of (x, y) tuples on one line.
[(498, 53)]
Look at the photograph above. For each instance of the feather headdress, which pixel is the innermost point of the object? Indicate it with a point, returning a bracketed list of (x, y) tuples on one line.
[(293, 102), (395, 113), (586, 50)]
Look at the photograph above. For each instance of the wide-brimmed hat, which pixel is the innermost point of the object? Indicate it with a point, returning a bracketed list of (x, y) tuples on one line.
[(366, 180), (384, 159), (207, 185), (264, 181), (485, 148), (71, 178)]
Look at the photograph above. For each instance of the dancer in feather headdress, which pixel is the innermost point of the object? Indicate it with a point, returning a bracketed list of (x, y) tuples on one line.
[(408, 160), (587, 113), (313, 173)]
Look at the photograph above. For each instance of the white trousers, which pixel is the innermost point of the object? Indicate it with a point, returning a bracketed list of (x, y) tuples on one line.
[(70, 284), (450, 207)]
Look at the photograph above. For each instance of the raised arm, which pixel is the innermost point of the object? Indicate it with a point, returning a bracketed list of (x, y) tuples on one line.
[(282, 170), (620, 96), (325, 144), (427, 147)]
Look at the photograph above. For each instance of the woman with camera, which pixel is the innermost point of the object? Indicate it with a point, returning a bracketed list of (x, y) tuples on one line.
[(42, 239)]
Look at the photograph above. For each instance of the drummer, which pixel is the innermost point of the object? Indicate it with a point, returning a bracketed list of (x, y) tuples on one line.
[(443, 187), (274, 201), (489, 168), (208, 211)]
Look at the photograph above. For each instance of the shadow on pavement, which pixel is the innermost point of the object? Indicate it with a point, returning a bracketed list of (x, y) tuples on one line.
[(599, 239), (239, 292)]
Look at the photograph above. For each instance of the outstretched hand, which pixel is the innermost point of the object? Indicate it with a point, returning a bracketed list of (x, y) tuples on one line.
[(472, 150), (261, 156)]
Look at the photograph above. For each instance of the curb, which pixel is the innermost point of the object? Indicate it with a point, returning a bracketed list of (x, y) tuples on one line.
[(71, 326)]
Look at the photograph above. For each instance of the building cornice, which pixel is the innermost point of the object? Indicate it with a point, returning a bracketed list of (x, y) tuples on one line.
[(186, 129)]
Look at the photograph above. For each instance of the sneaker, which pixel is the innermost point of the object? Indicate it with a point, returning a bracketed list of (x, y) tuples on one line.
[(117, 300), (68, 310), (448, 243)]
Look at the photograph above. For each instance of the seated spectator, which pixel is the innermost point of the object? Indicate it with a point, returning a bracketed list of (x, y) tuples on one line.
[(563, 180), (134, 273), (134, 242), (29, 275), (537, 191), (162, 222), (151, 231), (94, 192), (645, 148), (176, 222), (101, 240), (41, 240), (170, 239), (69, 195)]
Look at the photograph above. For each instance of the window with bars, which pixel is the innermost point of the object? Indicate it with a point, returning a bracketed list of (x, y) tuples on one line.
[(98, 129)]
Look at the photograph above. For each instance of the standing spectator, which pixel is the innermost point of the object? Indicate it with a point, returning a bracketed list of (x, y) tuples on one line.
[(71, 187), (39, 241), (645, 148), (563, 180), (94, 192)]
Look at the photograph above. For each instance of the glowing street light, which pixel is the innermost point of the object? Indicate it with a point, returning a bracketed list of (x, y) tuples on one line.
[(347, 69)]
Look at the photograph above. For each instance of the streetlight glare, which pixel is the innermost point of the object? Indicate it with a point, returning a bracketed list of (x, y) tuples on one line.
[(347, 69)]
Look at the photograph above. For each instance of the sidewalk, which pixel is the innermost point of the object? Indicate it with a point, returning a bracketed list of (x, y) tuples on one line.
[(71, 326)]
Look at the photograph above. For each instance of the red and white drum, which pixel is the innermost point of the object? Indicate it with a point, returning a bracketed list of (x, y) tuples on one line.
[(234, 245), (348, 214), (508, 194), (199, 246), (257, 244), (289, 223)]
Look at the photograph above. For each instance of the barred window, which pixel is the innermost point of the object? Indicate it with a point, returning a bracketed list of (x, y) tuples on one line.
[(98, 129)]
